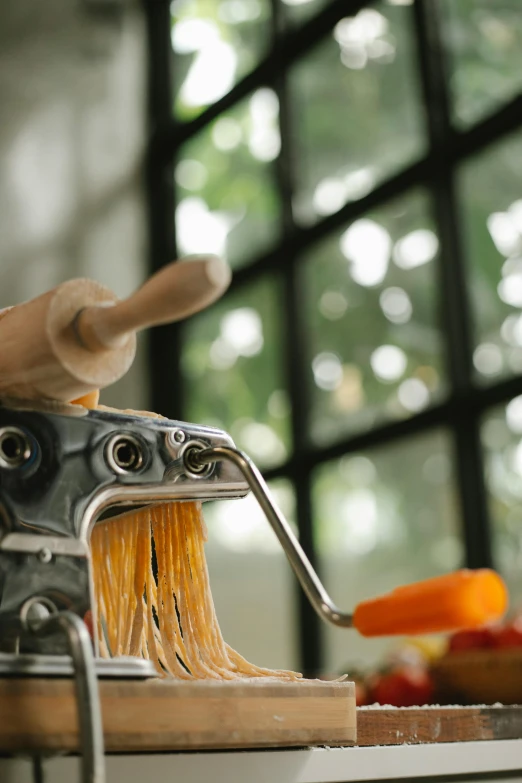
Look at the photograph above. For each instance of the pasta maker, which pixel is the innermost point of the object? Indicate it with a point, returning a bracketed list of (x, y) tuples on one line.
[(63, 468)]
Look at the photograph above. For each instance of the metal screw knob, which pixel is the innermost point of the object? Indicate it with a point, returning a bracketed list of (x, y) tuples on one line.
[(35, 611), (45, 555)]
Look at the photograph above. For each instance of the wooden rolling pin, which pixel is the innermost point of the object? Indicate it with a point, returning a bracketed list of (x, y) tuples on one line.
[(79, 337)]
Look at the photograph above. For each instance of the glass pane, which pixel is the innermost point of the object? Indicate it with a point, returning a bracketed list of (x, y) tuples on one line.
[(232, 365), (384, 518), (485, 47), (227, 199), (502, 440), (492, 225), (370, 301), (357, 116), (215, 42), (297, 11), (251, 580)]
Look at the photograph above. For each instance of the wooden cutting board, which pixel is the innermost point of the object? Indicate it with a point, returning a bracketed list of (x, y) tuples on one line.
[(424, 725), (40, 714)]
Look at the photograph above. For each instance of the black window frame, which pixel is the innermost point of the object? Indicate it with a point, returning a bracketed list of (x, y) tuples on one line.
[(462, 410)]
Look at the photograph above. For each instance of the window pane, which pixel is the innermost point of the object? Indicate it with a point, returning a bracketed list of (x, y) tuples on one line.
[(492, 212), (485, 47), (356, 110), (251, 580), (370, 302), (228, 202), (232, 365), (384, 518), (297, 11), (216, 42), (502, 440)]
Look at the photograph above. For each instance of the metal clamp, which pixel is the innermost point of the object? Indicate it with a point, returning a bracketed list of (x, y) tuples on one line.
[(196, 458), (39, 616), (32, 544)]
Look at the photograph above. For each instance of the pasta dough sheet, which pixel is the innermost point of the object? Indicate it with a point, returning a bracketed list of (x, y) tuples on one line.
[(170, 618)]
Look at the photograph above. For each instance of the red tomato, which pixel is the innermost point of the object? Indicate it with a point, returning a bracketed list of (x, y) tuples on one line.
[(471, 640), (361, 694), (87, 619), (410, 687), (509, 636)]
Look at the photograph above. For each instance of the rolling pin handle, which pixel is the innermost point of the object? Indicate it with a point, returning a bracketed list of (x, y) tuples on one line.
[(78, 337), (177, 291)]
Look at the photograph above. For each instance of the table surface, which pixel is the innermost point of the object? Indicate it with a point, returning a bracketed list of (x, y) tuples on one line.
[(314, 765)]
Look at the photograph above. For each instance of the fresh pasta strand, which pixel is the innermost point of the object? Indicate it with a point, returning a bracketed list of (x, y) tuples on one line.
[(169, 619)]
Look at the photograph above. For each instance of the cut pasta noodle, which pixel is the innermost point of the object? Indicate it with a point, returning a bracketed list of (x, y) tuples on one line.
[(170, 618)]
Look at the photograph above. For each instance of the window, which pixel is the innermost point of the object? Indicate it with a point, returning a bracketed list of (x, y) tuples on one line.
[(356, 164)]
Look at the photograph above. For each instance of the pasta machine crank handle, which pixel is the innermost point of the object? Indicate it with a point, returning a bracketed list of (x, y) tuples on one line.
[(196, 459), (463, 599), (39, 616)]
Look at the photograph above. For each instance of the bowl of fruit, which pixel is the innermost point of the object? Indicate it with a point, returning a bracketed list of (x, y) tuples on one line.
[(482, 666), (470, 667)]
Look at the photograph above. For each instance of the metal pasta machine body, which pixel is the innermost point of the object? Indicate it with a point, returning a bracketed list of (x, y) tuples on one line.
[(62, 468)]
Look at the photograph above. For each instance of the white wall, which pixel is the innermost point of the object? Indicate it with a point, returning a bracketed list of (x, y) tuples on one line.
[(72, 134)]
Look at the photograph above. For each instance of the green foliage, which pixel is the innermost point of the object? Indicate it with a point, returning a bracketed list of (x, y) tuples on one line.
[(235, 391), (248, 35), (365, 115), (362, 399), (484, 41), (236, 184)]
